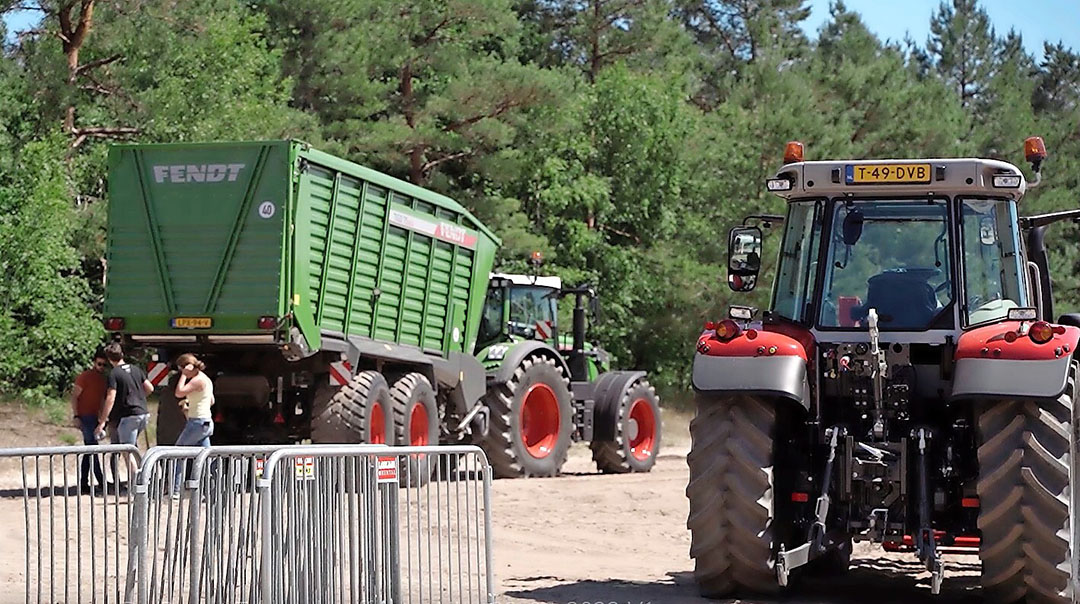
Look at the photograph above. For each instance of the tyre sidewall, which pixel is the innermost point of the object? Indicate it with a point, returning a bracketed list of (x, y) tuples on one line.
[(416, 470), (379, 392), (541, 373), (642, 392)]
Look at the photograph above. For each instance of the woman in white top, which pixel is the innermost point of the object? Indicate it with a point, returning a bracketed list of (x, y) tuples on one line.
[(196, 394), (196, 387)]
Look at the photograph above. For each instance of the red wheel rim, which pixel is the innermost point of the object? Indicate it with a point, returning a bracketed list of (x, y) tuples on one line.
[(418, 426), (540, 420), (642, 430), (378, 425)]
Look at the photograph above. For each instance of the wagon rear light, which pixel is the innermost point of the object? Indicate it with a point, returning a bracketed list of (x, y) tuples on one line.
[(727, 329), (970, 502), (268, 322), (114, 324), (800, 497)]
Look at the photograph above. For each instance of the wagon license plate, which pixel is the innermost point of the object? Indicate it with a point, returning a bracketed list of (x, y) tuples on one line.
[(888, 174), (192, 323)]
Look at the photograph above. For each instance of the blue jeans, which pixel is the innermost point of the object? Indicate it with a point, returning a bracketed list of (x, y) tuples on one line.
[(196, 433), (129, 428), (88, 424)]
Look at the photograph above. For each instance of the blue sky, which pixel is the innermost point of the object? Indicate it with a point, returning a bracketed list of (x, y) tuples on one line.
[(1036, 20)]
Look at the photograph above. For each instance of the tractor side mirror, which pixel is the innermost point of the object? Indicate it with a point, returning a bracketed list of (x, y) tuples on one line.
[(744, 258)]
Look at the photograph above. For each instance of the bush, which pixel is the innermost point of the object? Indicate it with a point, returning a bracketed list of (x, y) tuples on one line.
[(46, 314)]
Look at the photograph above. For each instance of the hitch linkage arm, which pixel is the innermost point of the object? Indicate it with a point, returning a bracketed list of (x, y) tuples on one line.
[(925, 544), (816, 543)]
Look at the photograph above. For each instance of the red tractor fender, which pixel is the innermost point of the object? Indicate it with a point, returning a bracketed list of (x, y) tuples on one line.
[(999, 361), (756, 361)]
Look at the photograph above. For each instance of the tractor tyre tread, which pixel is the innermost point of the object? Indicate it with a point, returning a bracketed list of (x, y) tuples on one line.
[(731, 498), (613, 456), (499, 443), (1025, 498)]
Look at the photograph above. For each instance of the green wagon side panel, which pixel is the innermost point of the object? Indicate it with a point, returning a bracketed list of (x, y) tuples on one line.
[(380, 258), (196, 230), (236, 231)]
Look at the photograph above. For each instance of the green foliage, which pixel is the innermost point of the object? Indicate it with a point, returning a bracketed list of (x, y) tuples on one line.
[(45, 312), (621, 138)]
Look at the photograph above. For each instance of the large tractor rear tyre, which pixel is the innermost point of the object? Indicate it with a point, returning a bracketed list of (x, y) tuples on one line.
[(170, 418), (1025, 455), (358, 412), (416, 424), (636, 430), (531, 420), (731, 495)]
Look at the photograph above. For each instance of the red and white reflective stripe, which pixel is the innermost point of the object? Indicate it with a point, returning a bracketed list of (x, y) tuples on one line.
[(543, 329), (340, 373), (155, 372)]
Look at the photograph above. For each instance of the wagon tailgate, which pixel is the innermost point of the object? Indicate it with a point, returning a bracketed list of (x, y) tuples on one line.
[(196, 231)]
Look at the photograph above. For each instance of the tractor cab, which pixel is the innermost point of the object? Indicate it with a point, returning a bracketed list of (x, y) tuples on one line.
[(520, 307), (932, 247), (525, 307)]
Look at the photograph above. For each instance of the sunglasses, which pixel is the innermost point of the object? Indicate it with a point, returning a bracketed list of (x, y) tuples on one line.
[(99, 365)]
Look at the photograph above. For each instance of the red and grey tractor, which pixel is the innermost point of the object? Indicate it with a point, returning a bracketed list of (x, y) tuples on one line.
[(907, 385)]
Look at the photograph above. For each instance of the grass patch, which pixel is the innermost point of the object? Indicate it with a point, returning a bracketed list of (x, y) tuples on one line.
[(69, 439)]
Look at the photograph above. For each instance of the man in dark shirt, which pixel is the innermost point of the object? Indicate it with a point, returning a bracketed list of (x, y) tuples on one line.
[(125, 400)]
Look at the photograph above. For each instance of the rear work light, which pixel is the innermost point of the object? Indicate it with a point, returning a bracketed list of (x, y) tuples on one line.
[(1042, 332), (268, 322), (776, 185), (726, 330), (1005, 181), (114, 324)]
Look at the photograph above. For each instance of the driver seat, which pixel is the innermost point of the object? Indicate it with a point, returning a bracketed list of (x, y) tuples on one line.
[(903, 300)]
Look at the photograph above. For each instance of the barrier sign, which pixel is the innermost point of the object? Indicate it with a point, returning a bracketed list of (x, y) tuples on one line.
[(387, 470), (304, 467)]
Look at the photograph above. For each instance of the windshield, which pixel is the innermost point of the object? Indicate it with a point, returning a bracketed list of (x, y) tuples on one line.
[(529, 306), (891, 256), (992, 263)]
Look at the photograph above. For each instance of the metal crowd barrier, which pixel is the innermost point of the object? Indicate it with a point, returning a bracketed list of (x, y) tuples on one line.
[(319, 523), (358, 524), (75, 537)]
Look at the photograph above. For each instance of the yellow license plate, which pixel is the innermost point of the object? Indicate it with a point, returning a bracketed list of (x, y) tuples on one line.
[(888, 174), (192, 323)]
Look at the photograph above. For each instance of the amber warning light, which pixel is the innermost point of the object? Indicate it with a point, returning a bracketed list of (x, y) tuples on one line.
[(793, 152), (1034, 149)]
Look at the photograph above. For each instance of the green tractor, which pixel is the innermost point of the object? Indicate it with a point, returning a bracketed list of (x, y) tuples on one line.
[(546, 388)]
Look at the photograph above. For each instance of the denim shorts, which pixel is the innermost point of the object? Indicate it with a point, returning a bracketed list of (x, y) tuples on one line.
[(129, 428)]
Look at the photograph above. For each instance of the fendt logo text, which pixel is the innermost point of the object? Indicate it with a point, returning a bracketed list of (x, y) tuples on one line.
[(183, 173)]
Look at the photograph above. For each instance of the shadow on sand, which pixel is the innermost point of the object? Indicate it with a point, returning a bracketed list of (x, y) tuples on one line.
[(881, 581)]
